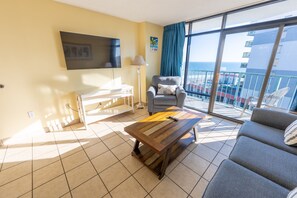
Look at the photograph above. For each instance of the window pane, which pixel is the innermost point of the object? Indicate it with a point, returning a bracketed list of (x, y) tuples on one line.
[(242, 72), (187, 28), (207, 25), (285, 9), (281, 91), (201, 70), (184, 60)]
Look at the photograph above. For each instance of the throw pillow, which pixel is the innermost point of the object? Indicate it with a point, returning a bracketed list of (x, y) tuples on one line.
[(291, 134), (166, 89), (293, 193)]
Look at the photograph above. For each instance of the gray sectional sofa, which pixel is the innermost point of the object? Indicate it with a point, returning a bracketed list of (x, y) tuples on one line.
[(260, 165)]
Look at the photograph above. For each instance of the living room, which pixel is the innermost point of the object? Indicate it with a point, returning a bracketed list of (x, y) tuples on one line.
[(236, 66)]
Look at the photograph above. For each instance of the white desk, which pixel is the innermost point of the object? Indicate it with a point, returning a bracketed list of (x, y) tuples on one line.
[(96, 96)]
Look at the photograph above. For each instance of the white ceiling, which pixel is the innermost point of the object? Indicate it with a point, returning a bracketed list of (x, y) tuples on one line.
[(161, 12)]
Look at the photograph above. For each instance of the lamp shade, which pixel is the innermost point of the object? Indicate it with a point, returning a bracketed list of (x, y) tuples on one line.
[(138, 60)]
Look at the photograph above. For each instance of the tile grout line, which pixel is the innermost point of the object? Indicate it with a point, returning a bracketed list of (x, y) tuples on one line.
[(201, 176), (20, 176), (14, 179), (62, 164), (172, 170), (32, 168), (206, 168), (110, 150), (131, 175), (125, 141), (178, 185), (14, 165), (48, 181), (91, 163), (174, 181), (6, 147), (79, 165)]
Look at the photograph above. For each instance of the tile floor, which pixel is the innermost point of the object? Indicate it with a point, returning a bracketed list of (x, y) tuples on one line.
[(97, 162)]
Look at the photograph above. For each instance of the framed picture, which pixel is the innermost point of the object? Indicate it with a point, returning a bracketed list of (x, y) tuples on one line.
[(77, 51), (154, 43)]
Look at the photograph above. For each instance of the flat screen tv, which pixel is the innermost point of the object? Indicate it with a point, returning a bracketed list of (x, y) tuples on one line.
[(90, 52)]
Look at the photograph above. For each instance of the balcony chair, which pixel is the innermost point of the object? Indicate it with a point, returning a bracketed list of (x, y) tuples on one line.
[(269, 101), (157, 102)]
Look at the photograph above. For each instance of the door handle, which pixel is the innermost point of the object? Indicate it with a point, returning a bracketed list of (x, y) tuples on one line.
[(1, 86)]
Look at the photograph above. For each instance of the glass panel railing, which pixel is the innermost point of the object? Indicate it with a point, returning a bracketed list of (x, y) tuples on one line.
[(281, 89), (237, 92), (201, 66), (244, 64)]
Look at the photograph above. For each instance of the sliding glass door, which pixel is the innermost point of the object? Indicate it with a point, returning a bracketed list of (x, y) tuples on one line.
[(201, 70), (281, 90), (242, 59), (243, 67)]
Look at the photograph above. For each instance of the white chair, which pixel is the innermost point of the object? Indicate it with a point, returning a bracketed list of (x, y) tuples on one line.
[(269, 101)]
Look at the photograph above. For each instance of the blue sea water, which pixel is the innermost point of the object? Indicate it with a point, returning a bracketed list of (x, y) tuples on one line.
[(209, 66)]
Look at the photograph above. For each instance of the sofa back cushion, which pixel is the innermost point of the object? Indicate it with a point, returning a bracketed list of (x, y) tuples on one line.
[(273, 118), (166, 80), (291, 134)]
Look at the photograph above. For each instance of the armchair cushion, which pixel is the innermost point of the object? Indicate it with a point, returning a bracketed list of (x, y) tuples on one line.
[(166, 80), (168, 100), (166, 89)]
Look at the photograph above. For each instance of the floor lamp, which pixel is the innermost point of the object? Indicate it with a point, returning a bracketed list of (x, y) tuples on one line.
[(138, 61)]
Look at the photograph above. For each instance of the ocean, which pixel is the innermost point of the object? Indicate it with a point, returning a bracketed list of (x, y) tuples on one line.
[(210, 66)]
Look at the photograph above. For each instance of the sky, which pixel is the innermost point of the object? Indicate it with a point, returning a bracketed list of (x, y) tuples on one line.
[(204, 48)]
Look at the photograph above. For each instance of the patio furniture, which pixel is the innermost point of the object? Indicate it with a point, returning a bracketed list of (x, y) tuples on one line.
[(157, 102), (269, 101)]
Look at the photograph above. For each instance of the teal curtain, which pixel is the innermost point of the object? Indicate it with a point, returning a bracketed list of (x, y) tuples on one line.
[(172, 49)]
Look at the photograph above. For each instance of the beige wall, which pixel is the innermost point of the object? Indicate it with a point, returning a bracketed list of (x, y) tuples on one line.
[(153, 58), (33, 68)]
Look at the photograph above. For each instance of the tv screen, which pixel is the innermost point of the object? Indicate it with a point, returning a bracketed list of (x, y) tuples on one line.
[(90, 52)]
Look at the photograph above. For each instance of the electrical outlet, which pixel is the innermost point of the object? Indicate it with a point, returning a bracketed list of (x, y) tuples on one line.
[(31, 114)]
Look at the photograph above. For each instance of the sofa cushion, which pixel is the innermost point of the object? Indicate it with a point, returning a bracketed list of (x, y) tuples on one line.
[(166, 80), (291, 134), (166, 89), (274, 164), (273, 118), (233, 181), (165, 100), (266, 134)]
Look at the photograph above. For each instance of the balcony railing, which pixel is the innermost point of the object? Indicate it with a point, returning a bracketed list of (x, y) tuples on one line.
[(234, 88)]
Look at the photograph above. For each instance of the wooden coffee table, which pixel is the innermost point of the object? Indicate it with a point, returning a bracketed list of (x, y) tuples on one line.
[(163, 138)]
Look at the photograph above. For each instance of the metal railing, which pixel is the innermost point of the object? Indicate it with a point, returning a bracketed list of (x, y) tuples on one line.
[(234, 88)]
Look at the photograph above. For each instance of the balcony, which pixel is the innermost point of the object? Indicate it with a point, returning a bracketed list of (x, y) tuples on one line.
[(236, 90)]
